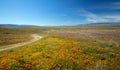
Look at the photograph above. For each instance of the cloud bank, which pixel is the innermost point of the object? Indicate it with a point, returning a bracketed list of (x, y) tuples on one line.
[(94, 18)]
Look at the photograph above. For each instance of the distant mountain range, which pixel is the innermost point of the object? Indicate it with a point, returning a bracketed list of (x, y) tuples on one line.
[(90, 24), (102, 24), (16, 26)]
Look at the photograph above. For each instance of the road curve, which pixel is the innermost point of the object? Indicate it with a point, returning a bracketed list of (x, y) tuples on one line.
[(35, 38)]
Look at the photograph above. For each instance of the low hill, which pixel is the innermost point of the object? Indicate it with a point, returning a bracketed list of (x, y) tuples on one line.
[(102, 24), (15, 26)]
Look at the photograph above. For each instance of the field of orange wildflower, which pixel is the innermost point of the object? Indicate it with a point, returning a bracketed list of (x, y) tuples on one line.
[(65, 51)]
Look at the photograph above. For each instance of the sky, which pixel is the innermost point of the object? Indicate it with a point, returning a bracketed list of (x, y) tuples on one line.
[(58, 12)]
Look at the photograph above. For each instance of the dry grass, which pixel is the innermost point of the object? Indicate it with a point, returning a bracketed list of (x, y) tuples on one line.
[(7, 39)]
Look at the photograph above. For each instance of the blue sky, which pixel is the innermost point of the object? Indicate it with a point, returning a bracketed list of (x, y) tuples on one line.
[(58, 12)]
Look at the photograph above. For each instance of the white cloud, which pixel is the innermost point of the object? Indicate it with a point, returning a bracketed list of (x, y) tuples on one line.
[(91, 17), (113, 18), (114, 5), (108, 5)]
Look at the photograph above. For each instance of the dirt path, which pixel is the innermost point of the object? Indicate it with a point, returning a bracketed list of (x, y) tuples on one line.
[(35, 38)]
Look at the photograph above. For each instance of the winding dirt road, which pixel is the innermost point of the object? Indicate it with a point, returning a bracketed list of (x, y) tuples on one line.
[(35, 38)]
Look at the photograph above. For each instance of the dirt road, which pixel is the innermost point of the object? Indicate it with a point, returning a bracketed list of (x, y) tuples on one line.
[(35, 38)]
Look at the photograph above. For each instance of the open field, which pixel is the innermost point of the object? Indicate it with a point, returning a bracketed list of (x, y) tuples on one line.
[(31, 30), (66, 48), (7, 39)]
